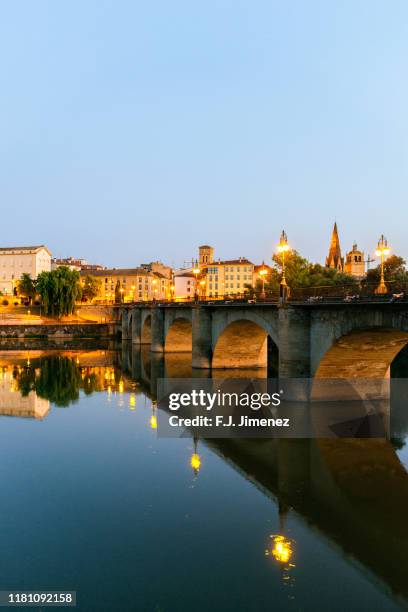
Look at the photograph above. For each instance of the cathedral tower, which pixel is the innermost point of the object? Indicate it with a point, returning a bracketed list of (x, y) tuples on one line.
[(334, 258), (205, 255), (355, 264)]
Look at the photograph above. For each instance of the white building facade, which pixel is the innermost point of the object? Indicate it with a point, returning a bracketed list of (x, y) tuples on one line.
[(184, 285), (16, 261)]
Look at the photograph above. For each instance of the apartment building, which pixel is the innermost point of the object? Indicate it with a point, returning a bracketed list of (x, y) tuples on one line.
[(16, 261)]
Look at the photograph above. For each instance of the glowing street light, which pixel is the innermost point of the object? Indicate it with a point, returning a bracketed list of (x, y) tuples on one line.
[(281, 550), (282, 248), (262, 273), (196, 272), (202, 285), (382, 251), (195, 459), (154, 283), (195, 463), (153, 418)]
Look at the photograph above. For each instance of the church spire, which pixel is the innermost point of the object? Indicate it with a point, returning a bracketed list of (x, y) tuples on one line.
[(334, 258)]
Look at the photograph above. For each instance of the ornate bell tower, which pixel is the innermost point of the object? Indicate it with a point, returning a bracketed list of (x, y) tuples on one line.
[(334, 258)]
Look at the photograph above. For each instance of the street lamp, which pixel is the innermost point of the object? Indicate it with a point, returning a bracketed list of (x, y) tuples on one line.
[(262, 273), (153, 418), (196, 272), (382, 251), (282, 248), (202, 285), (122, 291), (195, 459), (154, 283)]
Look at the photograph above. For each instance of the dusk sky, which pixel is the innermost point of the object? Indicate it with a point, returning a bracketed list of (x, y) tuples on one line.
[(135, 131)]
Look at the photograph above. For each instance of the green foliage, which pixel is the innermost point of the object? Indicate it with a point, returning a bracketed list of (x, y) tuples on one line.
[(27, 287), (302, 273), (59, 290), (25, 380), (55, 378), (394, 271), (59, 380), (90, 287)]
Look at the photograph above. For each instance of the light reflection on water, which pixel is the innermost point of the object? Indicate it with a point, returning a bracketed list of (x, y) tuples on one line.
[(93, 501)]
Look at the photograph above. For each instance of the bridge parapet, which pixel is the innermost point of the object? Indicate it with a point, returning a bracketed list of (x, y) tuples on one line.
[(217, 334)]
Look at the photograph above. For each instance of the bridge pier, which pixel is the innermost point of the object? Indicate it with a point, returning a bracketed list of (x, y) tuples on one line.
[(136, 331), (125, 318), (294, 351), (294, 343), (158, 336), (202, 338)]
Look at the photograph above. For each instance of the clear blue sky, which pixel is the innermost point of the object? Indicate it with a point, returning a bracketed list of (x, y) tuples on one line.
[(131, 131)]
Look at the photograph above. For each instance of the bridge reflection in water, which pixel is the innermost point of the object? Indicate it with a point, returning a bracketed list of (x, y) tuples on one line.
[(355, 492)]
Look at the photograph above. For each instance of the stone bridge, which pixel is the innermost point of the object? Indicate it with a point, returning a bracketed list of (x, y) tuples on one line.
[(324, 340)]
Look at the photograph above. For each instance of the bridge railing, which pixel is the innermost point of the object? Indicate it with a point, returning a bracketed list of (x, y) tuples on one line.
[(356, 292), (396, 291)]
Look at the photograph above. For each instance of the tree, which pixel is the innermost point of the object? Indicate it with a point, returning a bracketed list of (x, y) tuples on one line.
[(56, 378), (59, 380), (302, 273), (118, 293), (59, 290), (90, 287), (26, 287), (394, 271)]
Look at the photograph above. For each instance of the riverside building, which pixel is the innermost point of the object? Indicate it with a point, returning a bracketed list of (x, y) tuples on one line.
[(16, 261)]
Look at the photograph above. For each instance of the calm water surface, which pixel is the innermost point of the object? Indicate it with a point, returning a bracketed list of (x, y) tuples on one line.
[(93, 501)]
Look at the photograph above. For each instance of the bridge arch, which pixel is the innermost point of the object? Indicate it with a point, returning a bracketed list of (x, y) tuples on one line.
[(146, 329), (119, 319), (330, 326), (179, 336), (129, 324), (366, 353), (243, 343)]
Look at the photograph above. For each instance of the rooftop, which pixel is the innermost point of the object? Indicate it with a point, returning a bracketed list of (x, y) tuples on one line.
[(231, 262), (117, 272), (25, 248)]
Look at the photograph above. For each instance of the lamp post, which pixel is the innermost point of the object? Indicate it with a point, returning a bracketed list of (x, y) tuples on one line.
[(196, 272), (195, 459), (202, 285), (381, 251), (282, 248), (262, 273), (154, 283), (153, 418)]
